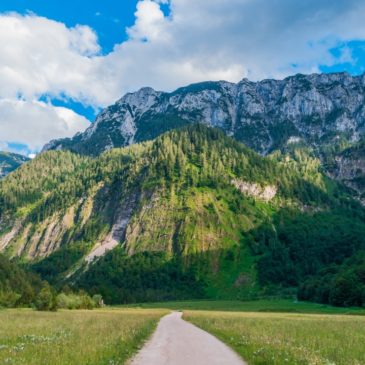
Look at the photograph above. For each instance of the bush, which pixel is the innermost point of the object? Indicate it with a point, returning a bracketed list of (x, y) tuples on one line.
[(9, 299), (98, 300), (46, 299), (78, 301)]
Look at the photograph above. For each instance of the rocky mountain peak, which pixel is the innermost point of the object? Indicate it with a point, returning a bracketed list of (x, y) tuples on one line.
[(317, 108)]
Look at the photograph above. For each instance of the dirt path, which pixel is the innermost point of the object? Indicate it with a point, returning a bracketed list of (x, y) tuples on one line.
[(177, 342)]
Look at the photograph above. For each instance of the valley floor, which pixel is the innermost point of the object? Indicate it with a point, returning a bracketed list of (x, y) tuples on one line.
[(287, 338), (97, 337), (262, 332)]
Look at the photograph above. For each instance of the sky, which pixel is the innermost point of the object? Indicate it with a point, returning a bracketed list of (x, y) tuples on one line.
[(61, 62)]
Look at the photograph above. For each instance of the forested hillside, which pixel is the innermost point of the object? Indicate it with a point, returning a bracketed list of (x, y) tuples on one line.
[(192, 213), (324, 112), (16, 286)]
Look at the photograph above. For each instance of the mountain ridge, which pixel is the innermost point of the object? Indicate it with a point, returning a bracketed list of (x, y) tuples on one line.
[(324, 112), (228, 106)]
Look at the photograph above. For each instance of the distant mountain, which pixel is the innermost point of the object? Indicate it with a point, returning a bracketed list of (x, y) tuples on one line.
[(9, 162), (190, 214), (325, 112)]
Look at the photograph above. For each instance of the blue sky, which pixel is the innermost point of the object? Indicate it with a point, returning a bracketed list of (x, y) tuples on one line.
[(63, 61), (355, 66), (109, 18)]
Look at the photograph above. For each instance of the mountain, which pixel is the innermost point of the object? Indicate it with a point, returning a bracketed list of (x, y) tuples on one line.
[(190, 214), (9, 162), (348, 166), (325, 112)]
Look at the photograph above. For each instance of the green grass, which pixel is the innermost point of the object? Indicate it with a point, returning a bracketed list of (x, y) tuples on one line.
[(287, 338), (98, 337), (263, 332), (282, 305)]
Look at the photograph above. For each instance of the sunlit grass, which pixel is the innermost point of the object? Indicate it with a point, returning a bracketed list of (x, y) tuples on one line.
[(111, 336), (98, 337), (266, 305), (293, 339)]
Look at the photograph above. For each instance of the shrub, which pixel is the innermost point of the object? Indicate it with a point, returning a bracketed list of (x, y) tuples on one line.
[(9, 299), (78, 301), (46, 299), (98, 300)]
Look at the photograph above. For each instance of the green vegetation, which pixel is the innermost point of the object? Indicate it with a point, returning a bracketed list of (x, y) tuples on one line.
[(342, 285), (17, 287), (293, 339), (270, 332), (99, 337), (79, 301), (10, 161), (46, 299), (262, 305), (295, 248), (191, 232), (142, 277)]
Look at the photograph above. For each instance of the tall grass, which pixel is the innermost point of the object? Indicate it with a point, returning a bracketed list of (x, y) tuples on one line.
[(293, 339), (98, 337)]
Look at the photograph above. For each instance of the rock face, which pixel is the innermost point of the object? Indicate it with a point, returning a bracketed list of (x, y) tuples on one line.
[(349, 167), (316, 109), (9, 162), (266, 193)]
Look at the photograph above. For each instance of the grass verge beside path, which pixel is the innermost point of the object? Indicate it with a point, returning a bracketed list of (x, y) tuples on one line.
[(286, 338), (98, 337)]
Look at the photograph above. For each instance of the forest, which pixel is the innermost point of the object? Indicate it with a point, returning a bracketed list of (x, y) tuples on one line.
[(191, 232)]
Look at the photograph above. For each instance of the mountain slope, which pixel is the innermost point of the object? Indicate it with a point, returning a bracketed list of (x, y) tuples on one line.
[(348, 166), (142, 178), (192, 213), (322, 111), (16, 286), (9, 162), (265, 115)]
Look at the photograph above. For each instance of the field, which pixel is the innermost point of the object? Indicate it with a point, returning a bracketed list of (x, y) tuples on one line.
[(282, 305), (265, 332), (98, 337), (287, 338)]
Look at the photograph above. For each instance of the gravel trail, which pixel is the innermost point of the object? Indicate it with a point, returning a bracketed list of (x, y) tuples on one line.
[(177, 342)]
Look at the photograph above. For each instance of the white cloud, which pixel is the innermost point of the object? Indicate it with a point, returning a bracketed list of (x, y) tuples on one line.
[(217, 39), (43, 56), (150, 22), (34, 123), (198, 40)]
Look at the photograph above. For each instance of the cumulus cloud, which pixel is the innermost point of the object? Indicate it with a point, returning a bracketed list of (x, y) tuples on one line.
[(150, 22), (34, 123), (217, 39), (196, 41), (43, 56)]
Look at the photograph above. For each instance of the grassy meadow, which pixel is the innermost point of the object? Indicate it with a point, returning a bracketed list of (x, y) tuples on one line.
[(264, 332), (287, 338), (98, 337), (265, 305)]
